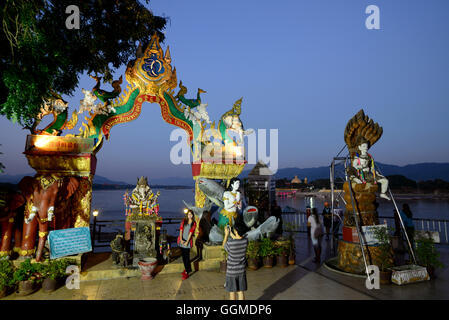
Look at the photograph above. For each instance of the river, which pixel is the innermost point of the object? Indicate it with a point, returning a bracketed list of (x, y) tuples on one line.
[(111, 207)]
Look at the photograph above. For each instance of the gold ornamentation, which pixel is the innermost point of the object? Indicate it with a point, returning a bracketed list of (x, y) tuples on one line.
[(236, 109), (11, 220), (81, 203), (63, 165), (69, 125), (361, 126), (42, 234), (221, 170), (5, 253), (27, 252), (47, 181), (5, 237), (229, 215), (200, 197)]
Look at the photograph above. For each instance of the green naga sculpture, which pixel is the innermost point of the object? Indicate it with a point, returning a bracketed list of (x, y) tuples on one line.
[(151, 78)]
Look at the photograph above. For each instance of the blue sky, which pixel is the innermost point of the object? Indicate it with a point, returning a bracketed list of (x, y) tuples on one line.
[(304, 67)]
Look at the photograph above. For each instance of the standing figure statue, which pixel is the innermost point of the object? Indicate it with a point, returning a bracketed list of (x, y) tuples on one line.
[(365, 171), (231, 201)]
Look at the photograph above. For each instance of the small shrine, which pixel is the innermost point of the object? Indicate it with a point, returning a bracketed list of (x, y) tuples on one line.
[(142, 218)]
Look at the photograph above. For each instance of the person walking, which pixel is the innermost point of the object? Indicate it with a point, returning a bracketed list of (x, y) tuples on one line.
[(407, 218), (185, 241), (308, 212), (316, 233), (236, 263), (327, 218)]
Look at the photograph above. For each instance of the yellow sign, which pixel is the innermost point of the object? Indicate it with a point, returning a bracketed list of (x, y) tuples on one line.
[(45, 143)]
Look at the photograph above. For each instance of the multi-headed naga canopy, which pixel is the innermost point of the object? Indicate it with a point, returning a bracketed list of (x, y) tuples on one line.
[(361, 128)]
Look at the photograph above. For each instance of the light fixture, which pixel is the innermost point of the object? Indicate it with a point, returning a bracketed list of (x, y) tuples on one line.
[(186, 210), (95, 213)]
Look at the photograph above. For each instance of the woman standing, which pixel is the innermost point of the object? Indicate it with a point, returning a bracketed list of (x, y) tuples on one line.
[(327, 218), (316, 233), (185, 241)]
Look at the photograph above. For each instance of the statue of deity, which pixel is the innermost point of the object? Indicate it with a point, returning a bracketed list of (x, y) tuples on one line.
[(232, 202), (142, 196), (364, 170)]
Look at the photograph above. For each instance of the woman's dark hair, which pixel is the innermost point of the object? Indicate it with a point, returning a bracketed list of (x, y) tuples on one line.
[(186, 217), (315, 215), (407, 211), (231, 182)]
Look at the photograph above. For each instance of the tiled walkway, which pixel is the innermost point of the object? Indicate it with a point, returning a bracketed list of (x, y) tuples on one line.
[(305, 280)]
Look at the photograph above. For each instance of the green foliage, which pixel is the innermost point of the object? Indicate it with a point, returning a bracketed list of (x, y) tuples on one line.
[(6, 274), (40, 56), (55, 269), (385, 256), (283, 248), (267, 248), (252, 251), (28, 271), (426, 253)]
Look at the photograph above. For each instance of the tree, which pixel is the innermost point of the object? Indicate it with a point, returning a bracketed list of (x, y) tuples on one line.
[(41, 58)]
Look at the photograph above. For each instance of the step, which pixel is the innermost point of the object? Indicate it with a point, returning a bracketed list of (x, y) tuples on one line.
[(100, 267)]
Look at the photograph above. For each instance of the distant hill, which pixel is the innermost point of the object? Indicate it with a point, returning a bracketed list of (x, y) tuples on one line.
[(101, 182), (417, 172)]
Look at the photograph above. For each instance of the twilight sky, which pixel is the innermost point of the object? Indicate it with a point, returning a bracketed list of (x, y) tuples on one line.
[(304, 67)]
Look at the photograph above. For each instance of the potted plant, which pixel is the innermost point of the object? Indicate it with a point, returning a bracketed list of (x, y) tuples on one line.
[(384, 257), (6, 277), (427, 255), (292, 255), (282, 251), (290, 227), (27, 277), (267, 252), (252, 254), (223, 264), (53, 272)]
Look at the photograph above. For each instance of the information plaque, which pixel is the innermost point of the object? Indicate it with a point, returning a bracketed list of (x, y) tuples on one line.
[(68, 242)]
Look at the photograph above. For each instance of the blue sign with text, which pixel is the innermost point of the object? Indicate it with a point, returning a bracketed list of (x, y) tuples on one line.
[(68, 242)]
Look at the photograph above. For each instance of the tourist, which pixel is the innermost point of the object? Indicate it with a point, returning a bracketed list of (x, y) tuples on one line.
[(308, 211), (407, 218), (185, 241), (316, 233), (338, 218), (236, 262), (276, 211), (327, 218)]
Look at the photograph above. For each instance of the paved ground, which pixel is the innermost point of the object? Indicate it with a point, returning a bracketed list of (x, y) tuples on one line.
[(303, 281)]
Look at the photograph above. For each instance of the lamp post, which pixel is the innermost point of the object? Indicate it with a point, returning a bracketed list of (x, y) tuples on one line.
[(95, 213)]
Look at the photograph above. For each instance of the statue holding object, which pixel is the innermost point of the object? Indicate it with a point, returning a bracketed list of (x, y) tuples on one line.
[(364, 170), (360, 134), (231, 202)]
